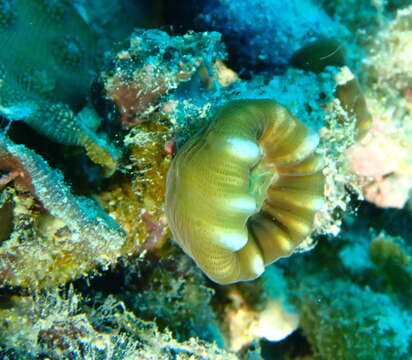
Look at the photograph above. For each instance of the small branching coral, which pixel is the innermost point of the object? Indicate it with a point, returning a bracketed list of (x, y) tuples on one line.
[(244, 191), (340, 182), (72, 237)]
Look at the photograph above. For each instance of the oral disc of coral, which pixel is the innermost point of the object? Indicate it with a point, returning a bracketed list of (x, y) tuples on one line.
[(244, 191)]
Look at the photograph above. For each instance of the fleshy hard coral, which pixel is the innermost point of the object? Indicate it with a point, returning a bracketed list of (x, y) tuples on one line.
[(244, 191)]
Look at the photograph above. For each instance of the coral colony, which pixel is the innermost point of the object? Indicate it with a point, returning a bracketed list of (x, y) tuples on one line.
[(205, 179)]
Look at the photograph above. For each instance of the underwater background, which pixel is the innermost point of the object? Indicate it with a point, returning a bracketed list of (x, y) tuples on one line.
[(138, 221)]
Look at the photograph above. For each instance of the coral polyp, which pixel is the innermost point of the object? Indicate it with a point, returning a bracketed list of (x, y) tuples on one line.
[(244, 191)]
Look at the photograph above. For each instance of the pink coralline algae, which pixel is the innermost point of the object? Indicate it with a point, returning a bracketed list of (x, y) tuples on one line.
[(381, 161), (155, 64)]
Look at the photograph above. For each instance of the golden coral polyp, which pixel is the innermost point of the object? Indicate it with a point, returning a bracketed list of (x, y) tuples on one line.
[(244, 191)]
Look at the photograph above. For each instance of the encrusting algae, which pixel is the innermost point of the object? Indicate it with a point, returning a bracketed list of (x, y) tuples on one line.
[(56, 235), (154, 64), (135, 198)]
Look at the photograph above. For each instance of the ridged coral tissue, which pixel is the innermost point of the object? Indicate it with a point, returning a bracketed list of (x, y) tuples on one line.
[(244, 191)]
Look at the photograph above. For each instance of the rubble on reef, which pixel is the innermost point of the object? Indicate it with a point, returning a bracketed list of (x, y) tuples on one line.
[(94, 109), (259, 310), (53, 236), (135, 198), (389, 61), (154, 64), (63, 327)]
